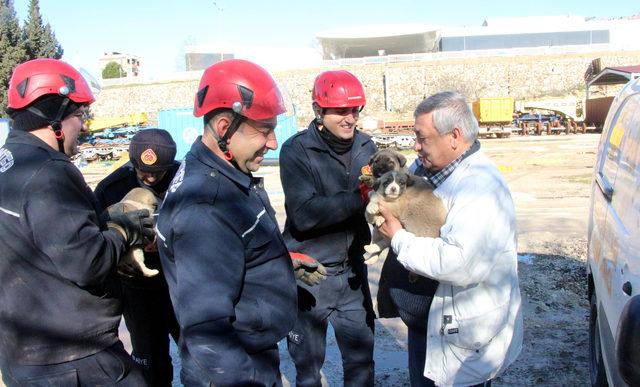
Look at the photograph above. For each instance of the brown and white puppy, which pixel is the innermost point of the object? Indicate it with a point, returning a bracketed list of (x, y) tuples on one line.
[(133, 261), (410, 199)]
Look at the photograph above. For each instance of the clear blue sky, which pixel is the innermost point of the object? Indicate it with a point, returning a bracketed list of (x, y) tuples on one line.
[(156, 30)]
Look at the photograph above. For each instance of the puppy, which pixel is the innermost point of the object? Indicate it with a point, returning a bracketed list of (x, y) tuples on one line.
[(410, 199), (133, 261), (382, 161), (386, 160)]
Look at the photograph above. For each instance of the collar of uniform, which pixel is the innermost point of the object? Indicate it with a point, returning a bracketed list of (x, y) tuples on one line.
[(26, 138), (312, 139), (206, 156)]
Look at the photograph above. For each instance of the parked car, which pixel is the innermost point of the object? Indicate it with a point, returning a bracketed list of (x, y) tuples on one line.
[(613, 259)]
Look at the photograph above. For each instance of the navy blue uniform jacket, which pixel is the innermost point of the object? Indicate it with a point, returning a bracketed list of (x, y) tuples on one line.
[(55, 255), (229, 272), (325, 215)]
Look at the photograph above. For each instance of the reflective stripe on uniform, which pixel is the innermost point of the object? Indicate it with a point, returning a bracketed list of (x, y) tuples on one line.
[(10, 212), (264, 211)]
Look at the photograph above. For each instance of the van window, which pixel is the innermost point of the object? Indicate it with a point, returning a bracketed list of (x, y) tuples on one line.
[(629, 152), (625, 200), (611, 150)]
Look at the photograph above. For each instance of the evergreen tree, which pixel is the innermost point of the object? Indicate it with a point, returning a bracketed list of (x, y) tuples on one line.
[(39, 40), (33, 30), (50, 47), (12, 49)]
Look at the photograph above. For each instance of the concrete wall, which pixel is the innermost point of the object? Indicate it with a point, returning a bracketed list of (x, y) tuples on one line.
[(407, 83)]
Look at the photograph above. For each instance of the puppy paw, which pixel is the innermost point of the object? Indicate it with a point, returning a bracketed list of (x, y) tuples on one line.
[(372, 248), (370, 259), (372, 207), (139, 264), (378, 220)]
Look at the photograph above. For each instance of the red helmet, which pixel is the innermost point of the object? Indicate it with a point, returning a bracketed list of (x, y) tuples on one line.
[(35, 78), (336, 89), (240, 85)]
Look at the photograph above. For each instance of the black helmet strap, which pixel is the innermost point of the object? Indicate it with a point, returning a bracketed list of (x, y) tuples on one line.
[(233, 127)]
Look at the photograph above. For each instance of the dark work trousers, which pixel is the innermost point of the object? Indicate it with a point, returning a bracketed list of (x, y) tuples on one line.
[(266, 364), (344, 301), (417, 343), (110, 367), (150, 320)]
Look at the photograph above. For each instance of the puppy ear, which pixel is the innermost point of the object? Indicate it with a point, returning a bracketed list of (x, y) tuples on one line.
[(402, 160), (411, 180), (373, 158), (376, 184)]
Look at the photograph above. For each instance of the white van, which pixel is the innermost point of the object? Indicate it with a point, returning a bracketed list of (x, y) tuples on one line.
[(613, 265)]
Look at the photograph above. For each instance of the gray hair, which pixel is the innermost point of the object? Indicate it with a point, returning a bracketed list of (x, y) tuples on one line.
[(450, 111)]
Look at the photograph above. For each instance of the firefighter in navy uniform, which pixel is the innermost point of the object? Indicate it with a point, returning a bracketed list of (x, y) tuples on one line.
[(229, 272), (319, 169), (147, 308), (58, 315)]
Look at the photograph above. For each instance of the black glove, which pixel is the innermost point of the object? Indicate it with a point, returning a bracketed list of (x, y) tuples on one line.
[(135, 226), (307, 269)]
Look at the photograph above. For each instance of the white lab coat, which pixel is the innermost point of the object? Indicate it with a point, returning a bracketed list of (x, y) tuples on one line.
[(475, 321)]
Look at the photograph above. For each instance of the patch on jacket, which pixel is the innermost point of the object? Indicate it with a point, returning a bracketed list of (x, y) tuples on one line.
[(178, 178), (296, 338), (6, 160)]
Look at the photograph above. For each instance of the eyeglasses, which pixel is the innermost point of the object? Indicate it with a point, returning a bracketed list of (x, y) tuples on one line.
[(83, 114)]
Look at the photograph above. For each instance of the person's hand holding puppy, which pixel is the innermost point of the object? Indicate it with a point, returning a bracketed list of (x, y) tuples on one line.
[(391, 224)]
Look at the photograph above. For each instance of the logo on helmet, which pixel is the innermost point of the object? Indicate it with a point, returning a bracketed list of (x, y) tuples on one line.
[(148, 157)]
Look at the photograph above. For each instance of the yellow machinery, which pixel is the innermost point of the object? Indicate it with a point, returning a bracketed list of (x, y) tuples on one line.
[(493, 110), (102, 123), (494, 116)]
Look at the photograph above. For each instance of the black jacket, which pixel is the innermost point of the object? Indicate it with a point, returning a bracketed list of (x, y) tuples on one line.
[(228, 269), (112, 189), (325, 214), (55, 256)]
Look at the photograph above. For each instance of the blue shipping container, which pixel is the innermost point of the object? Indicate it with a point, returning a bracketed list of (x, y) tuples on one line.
[(185, 128), (4, 130)]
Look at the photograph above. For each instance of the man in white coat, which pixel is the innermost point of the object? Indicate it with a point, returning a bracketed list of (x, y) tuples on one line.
[(475, 324)]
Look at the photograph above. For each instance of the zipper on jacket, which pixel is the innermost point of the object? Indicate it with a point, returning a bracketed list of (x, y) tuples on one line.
[(446, 319)]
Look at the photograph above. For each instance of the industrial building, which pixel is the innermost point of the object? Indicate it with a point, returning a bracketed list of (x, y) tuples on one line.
[(496, 36)]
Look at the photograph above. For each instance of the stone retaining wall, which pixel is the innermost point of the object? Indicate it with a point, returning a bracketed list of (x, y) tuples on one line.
[(406, 84)]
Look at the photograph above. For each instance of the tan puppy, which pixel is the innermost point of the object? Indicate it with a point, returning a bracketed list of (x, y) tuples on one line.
[(133, 261), (412, 201)]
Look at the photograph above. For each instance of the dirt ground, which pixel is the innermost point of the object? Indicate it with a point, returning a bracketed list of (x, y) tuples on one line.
[(550, 179)]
